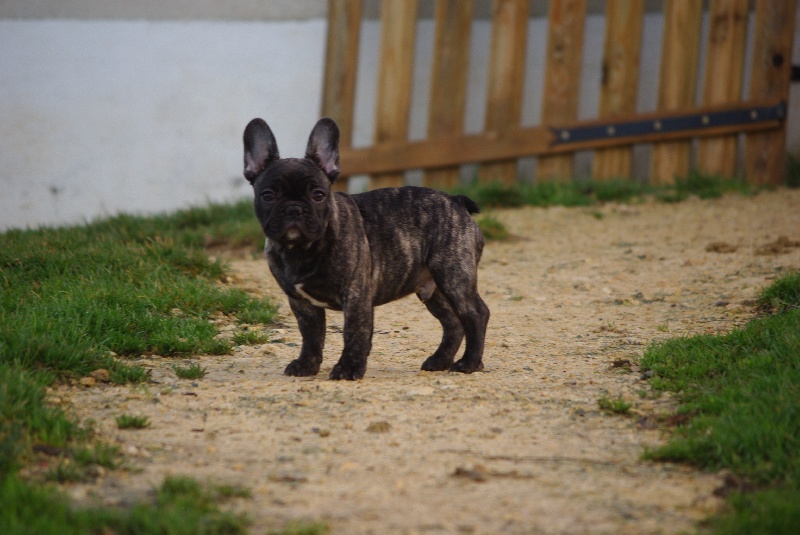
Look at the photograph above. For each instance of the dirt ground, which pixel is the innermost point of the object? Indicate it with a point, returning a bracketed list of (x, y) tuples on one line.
[(519, 448)]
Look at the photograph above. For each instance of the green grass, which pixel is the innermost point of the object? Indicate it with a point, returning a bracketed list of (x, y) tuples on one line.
[(496, 195), (69, 296), (574, 193), (192, 371), (25, 418), (492, 228), (741, 391), (248, 336), (233, 491), (614, 405), (77, 299), (130, 421), (294, 528), (85, 463), (782, 294), (180, 506)]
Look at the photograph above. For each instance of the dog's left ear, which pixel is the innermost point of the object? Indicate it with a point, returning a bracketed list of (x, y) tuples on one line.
[(323, 147)]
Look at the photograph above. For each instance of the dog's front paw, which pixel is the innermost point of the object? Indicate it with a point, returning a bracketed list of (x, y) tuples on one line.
[(302, 368), (462, 366), (347, 371), (436, 363)]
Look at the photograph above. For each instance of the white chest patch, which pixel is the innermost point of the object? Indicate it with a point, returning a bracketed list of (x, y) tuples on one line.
[(304, 295)]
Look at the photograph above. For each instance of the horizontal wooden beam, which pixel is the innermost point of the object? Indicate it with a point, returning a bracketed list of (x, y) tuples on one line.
[(545, 140)]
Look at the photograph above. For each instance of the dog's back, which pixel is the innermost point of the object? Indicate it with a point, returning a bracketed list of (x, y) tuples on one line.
[(425, 227)]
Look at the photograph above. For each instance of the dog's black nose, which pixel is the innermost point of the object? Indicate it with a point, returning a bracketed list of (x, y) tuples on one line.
[(293, 211)]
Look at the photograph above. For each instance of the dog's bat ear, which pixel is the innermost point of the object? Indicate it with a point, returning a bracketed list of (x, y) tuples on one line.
[(323, 147), (260, 148)]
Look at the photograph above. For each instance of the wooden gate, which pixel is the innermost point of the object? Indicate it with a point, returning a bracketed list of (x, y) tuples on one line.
[(716, 121)]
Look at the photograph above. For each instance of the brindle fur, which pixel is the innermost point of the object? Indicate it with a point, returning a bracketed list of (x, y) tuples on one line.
[(354, 252)]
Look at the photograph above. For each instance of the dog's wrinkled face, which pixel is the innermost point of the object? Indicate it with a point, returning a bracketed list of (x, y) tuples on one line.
[(292, 201), (292, 195)]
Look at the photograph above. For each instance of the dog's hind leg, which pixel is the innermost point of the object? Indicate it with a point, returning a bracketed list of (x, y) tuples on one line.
[(453, 333), (474, 316), (458, 284)]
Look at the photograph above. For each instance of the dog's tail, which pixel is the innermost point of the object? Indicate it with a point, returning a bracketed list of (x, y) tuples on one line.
[(471, 206)]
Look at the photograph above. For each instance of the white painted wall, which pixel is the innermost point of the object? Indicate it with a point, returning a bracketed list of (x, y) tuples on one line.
[(106, 116), (101, 117)]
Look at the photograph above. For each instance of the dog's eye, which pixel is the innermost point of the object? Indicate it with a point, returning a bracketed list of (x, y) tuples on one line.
[(268, 195), (318, 195)]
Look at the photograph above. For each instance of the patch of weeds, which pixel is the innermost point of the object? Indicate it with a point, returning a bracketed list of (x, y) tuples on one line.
[(556, 194), (574, 193), (769, 511), (67, 471), (707, 186), (242, 337), (26, 418), (616, 405), (498, 195), (192, 371), (784, 293), (492, 228), (740, 390), (616, 190), (182, 501), (121, 373), (129, 421), (494, 194), (664, 327), (232, 491), (105, 455), (181, 506), (85, 463)]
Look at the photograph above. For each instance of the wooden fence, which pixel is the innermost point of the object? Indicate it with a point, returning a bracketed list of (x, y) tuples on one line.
[(717, 118)]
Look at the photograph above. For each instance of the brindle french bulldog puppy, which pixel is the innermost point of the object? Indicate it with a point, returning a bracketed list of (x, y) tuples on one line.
[(353, 252)]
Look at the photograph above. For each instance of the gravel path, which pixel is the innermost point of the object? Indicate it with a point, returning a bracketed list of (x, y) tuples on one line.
[(519, 448)]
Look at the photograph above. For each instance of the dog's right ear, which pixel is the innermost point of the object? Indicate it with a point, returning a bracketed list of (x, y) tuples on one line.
[(260, 148)]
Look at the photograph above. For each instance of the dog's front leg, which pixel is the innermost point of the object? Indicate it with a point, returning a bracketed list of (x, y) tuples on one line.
[(358, 320), (311, 322)]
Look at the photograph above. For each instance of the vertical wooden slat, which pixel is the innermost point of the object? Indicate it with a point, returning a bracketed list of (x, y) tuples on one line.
[(677, 82), (623, 40), (724, 68), (765, 153), (449, 79), (566, 21), (506, 75), (395, 72), (341, 66)]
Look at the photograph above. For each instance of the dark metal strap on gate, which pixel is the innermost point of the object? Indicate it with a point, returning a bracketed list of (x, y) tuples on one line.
[(668, 124)]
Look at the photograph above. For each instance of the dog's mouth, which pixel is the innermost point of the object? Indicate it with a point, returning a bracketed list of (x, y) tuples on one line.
[(293, 233)]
